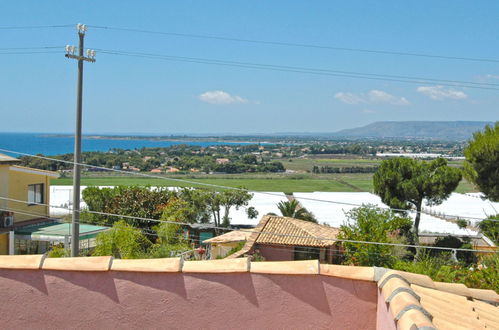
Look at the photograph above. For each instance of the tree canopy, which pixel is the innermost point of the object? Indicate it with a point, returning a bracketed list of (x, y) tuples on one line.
[(482, 161), (403, 183), (292, 209), (371, 224)]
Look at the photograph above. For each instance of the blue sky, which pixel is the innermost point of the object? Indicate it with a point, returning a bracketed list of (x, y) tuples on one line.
[(141, 95)]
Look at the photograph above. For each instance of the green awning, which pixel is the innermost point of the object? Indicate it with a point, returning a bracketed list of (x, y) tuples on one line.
[(57, 231)]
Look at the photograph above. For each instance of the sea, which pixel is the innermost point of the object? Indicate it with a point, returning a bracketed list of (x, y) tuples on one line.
[(51, 144)]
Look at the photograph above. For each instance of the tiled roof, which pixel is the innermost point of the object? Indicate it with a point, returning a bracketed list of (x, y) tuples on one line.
[(231, 236), (288, 231), (414, 301)]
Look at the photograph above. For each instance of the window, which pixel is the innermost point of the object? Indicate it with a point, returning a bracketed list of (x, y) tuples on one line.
[(35, 193), (306, 253)]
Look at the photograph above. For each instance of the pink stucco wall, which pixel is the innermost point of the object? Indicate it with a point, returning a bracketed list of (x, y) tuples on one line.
[(55, 299)]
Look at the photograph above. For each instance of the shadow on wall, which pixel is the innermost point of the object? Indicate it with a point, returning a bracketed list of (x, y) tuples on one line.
[(184, 300)]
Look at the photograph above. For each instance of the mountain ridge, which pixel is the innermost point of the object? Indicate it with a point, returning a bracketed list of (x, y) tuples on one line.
[(449, 130)]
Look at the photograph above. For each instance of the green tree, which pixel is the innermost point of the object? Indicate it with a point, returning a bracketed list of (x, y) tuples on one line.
[(218, 204), (372, 224), (122, 241), (170, 236), (229, 199), (135, 201), (403, 183), (292, 209), (482, 161), (490, 228)]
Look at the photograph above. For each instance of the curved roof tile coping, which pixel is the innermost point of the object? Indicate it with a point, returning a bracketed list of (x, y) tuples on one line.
[(159, 265), (33, 261), (487, 295), (241, 265), (418, 279), (303, 267), (85, 264), (404, 303)]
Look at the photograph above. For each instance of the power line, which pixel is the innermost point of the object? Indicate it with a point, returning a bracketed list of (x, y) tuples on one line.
[(193, 183), (302, 45), (43, 216), (36, 47), (262, 232), (29, 27), (314, 71), (30, 52), (196, 240)]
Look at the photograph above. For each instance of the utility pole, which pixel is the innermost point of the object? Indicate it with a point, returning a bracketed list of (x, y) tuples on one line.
[(70, 53)]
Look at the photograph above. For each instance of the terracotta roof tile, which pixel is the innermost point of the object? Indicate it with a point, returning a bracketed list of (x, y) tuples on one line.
[(418, 279), (288, 231), (456, 288), (415, 318), (446, 325), (440, 295), (488, 295)]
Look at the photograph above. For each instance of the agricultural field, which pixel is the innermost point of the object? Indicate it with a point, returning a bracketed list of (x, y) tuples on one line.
[(306, 182)]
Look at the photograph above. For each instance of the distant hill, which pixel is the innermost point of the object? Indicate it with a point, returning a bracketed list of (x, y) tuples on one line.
[(444, 130)]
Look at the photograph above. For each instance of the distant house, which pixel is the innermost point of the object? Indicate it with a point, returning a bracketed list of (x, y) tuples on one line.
[(156, 170), (280, 238), (222, 161), (171, 169), (220, 245), (478, 242), (24, 197)]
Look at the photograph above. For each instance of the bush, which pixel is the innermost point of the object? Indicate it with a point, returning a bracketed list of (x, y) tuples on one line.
[(122, 241), (481, 275), (372, 224), (490, 228)]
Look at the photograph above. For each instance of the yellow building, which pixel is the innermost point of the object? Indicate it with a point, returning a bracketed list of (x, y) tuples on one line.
[(221, 245), (29, 186)]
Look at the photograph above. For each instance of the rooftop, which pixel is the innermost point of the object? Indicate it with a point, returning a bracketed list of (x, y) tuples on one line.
[(231, 236), (5, 159), (57, 230), (275, 230)]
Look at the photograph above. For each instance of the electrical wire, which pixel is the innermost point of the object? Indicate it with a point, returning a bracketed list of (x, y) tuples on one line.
[(314, 71), (260, 232), (36, 47), (31, 52), (295, 44), (194, 183), (29, 27), (192, 239)]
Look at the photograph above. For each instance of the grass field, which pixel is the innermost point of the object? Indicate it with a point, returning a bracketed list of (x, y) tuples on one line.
[(306, 164), (268, 182)]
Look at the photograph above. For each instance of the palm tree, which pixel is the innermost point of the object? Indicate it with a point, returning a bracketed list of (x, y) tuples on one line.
[(293, 210)]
